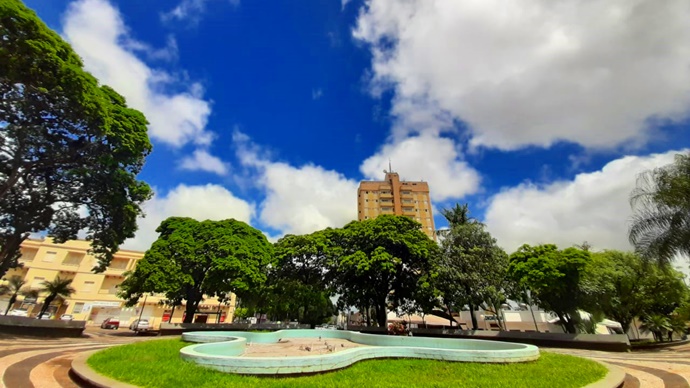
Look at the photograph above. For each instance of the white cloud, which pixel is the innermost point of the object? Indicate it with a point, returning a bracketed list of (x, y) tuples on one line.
[(316, 94), (190, 10), (599, 73), (593, 207), (298, 199), (98, 34), (207, 202), (201, 160), (429, 158)]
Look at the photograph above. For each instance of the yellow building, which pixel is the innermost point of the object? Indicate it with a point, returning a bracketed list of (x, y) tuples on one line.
[(96, 298), (393, 196)]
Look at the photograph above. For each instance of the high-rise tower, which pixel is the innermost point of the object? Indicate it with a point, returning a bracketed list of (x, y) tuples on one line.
[(393, 196)]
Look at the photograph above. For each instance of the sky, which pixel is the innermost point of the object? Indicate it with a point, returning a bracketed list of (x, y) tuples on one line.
[(539, 114)]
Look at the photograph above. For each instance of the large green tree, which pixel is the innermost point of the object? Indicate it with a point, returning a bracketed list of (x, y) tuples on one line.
[(70, 149), (554, 278), (660, 227), (192, 258), (301, 278), (472, 269), (380, 263), (56, 288), (623, 286)]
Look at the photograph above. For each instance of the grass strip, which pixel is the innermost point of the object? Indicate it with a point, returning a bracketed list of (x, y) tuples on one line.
[(158, 364)]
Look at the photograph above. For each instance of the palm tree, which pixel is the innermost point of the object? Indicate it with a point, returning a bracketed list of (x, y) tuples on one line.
[(660, 227), (58, 287), (13, 288), (457, 215), (656, 324)]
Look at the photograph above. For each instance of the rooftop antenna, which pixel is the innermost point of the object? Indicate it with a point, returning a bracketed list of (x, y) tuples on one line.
[(389, 165)]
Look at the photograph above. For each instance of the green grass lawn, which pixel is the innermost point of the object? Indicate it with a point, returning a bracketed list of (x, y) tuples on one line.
[(158, 364)]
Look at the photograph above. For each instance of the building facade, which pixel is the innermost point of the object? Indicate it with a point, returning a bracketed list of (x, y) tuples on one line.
[(96, 298), (393, 196)]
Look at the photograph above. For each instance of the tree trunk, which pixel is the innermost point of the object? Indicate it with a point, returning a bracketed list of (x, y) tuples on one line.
[(171, 314), (473, 316), (450, 316), (190, 310), (10, 303), (382, 316), (46, 305)]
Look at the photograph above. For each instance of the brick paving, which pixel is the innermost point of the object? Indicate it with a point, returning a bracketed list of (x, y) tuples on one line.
[(44, 363)]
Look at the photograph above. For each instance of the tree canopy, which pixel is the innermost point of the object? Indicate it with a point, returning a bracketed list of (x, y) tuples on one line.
[(70, 149), (381, 263), (192, 258), (472, 269), (554, 278), (660, 227)]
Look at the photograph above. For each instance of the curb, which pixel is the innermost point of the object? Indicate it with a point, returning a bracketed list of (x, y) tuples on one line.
[(613, 379), (84, 372), (660, 345)]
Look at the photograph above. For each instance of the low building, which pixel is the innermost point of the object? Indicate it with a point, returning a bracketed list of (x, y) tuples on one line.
[(96, 298)]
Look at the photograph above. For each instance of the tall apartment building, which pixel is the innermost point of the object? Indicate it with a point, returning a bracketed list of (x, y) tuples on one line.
[(95, 298), (393, 196)]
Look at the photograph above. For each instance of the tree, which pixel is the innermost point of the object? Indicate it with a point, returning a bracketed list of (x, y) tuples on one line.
[(301, 277), (457, 215), (622, 286), (380, 263), (70, 150), (57, 288), (191, 259), (554, 278), (660, 227), (657, 324), (472, 269), (13, 288)]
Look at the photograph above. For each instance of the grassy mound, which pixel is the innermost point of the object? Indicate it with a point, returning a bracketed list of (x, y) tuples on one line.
[(158, 364)]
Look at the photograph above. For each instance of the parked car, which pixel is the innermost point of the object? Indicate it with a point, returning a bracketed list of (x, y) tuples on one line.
[(140, 325), (45, 317), (111, 323), (18, 313), (66, 317)]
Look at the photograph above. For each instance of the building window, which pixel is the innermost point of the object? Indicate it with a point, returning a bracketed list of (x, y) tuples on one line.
[(367, 192), (73, 258), (88, 286), (366, 217), (37, 282), (49, 257), (426, 210), (78, 307)]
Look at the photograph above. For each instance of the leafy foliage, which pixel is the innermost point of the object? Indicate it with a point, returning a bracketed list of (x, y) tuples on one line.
[(57, 288), (13, 288), (623, 286), (380, 263), (554, 278), (191, 259), (472, 269), (661, 202), (70, 150)]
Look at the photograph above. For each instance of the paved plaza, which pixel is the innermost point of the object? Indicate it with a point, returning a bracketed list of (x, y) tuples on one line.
[(44, 363)]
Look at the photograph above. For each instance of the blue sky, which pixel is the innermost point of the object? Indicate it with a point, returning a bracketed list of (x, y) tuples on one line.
[(539, 115)]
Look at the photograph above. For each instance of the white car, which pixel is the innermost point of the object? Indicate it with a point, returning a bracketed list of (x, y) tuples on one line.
[(140, 325), (18, 313)]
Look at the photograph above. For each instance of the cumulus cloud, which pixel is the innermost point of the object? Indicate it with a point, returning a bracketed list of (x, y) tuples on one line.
[(207, 202), (592, 207), (298, 199), (99, 35), (599, 73), (202, 160), (429, 158)]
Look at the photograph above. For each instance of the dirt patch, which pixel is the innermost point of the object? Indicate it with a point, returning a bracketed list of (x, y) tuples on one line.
[(291, 347)]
